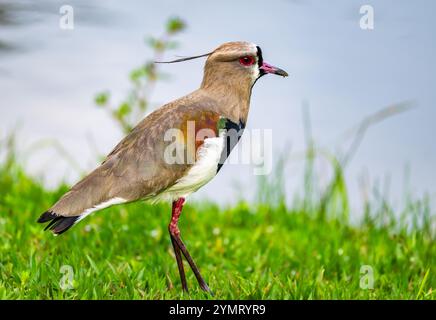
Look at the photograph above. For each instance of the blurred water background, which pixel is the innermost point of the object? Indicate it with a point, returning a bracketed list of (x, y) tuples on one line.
[(341, 73)]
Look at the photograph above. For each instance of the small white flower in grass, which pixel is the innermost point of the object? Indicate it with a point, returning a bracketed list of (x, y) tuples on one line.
[(154, 233), (249, 269), (216, 231), (293, 273), (88, 228), (340, 251)]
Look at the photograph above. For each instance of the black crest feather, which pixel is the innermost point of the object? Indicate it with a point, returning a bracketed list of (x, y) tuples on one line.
[(185, 58)]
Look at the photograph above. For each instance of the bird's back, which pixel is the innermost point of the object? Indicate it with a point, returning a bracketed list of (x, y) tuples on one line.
[(137, 168)]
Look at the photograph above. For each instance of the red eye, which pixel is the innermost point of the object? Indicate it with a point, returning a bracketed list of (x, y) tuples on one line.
[(247, 60)]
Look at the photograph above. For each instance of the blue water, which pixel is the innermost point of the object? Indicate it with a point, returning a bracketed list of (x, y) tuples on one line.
[(48, 78)]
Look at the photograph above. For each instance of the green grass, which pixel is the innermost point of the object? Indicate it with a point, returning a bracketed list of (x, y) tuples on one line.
[(244, 252)]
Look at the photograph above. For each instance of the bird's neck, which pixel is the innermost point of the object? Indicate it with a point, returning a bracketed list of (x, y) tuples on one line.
[(233, 99)]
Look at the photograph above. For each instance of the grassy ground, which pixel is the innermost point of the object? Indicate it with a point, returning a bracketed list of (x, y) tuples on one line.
[(244, 252)]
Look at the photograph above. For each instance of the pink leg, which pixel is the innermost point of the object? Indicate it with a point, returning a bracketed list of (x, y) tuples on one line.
[(174, 229), (178, 246)]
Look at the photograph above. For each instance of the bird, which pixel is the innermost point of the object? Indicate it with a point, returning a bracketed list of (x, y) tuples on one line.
[(175, 150)]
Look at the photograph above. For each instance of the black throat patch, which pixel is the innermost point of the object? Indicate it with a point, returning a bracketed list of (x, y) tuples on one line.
[(259, 56), (259, 64), (233, 132)]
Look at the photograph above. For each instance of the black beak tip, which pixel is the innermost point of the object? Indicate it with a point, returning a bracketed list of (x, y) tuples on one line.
[(282, 73)]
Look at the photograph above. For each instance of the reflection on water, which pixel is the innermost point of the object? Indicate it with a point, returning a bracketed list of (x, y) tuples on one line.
[(18, 18)]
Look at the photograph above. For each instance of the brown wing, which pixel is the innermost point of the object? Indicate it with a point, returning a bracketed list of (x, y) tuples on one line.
[(137, 168)]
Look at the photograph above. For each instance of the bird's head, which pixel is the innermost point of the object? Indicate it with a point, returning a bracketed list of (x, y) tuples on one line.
[(235, 64), (241, 62), (238, 63)]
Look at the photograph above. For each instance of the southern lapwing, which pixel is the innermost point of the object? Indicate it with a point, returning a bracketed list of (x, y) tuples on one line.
[(175, 150)]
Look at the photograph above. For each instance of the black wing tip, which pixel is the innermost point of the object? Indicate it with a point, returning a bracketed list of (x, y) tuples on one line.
[(58, 224), (46, 217)]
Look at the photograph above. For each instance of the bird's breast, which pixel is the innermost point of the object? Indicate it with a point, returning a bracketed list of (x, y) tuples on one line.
[(201, 172)]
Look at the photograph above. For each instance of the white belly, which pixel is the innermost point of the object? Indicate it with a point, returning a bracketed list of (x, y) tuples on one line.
[(204, 169)]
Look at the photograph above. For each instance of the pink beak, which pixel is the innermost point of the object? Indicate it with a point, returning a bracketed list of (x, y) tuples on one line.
[(267, 68)]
